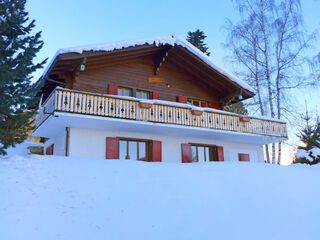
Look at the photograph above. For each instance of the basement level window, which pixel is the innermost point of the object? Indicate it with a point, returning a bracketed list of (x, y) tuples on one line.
[(244, 157), (143, 94), (133, 149), (123, 91), (203, 153), (196, 102)]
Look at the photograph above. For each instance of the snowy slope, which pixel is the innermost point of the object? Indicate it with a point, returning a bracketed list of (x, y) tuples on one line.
[(21, 149), (49, 197)]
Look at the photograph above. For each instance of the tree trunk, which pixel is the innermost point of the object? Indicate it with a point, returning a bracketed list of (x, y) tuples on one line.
[(279, 153), (274, 24), (273, 160), (267, 71), (267, 153), (257, 80)]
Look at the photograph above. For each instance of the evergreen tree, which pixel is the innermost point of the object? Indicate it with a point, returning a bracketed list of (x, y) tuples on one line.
[(310, 137), (238, 108), (18, 47), (197, 38)]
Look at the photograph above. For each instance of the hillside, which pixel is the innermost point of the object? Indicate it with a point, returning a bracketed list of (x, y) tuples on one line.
[(47, 197)]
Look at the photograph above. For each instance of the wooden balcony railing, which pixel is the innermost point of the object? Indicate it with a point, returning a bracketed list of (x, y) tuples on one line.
[(71, 101)]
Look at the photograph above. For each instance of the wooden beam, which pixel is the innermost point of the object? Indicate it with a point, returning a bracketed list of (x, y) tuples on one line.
[(160, 58), (229, 98), (76, 71), (101, 60), (122, 60), (56, 81), (228, 80), (205, 76), (115, 55), (70, 56), (62, 67), (204, 69), (193, 74), (68, 79)]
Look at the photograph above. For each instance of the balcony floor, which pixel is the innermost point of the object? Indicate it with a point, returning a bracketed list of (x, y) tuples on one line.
[(56, 124)]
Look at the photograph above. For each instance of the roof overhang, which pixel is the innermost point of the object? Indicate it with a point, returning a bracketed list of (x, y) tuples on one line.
[(183, 54)]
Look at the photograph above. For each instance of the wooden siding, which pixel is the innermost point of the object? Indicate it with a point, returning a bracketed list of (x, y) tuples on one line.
[(136, 73)]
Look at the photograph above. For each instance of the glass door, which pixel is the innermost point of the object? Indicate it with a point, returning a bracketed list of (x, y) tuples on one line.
[(203, 153), (133, 150)]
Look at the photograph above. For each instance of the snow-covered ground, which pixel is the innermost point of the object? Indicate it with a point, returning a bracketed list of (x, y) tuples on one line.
[(49, 197)]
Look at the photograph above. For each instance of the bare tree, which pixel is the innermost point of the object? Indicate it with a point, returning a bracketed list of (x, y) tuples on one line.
[(314, 63), (269, 44)]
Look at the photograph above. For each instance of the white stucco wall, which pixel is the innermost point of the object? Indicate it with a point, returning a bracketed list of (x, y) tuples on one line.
[(59, 144), (90, 143), (48, 143)]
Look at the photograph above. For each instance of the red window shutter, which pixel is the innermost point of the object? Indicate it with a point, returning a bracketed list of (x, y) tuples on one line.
[(214, 105), (156, 151), (155, 95), (49, 150), (220, 154), (113, 89), (112, 148), (186, 153), (203, 104), (182, 99), (244, 157)]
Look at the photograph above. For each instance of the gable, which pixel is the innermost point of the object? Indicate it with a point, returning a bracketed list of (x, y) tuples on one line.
[(136, 74), (64, 70)]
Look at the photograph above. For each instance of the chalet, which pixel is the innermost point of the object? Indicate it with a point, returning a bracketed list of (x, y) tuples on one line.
[(157, 99)]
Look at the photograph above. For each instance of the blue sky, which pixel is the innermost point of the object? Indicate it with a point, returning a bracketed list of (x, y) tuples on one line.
[(77, 22)]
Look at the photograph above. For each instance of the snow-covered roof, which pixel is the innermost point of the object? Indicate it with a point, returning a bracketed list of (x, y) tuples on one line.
[(158, 41)]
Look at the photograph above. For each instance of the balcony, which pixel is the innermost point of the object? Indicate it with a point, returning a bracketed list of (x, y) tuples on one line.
[(155, 111)]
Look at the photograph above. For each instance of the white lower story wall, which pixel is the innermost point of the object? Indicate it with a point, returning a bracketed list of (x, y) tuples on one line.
[(90, 143), (59, 145)]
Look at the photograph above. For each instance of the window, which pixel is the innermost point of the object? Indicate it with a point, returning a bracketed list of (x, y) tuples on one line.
[(244, 157), (131, 92), (196, 102), (203, 153), (143, 94), (122, 91), (133, 149)]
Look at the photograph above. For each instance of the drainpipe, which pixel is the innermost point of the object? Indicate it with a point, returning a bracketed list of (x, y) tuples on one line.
[(67, 140)]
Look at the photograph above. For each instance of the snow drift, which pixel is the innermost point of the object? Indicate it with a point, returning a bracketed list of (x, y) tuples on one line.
[(49, 197), (311, 155)]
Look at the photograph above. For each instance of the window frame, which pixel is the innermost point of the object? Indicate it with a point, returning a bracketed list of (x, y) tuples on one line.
[(123, 88), (141, 92), (137, 140), (191, 100), (133, 91), (212, 152)]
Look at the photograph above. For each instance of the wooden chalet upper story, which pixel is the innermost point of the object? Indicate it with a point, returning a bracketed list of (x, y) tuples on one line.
[(164, 68), (86, 79)]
